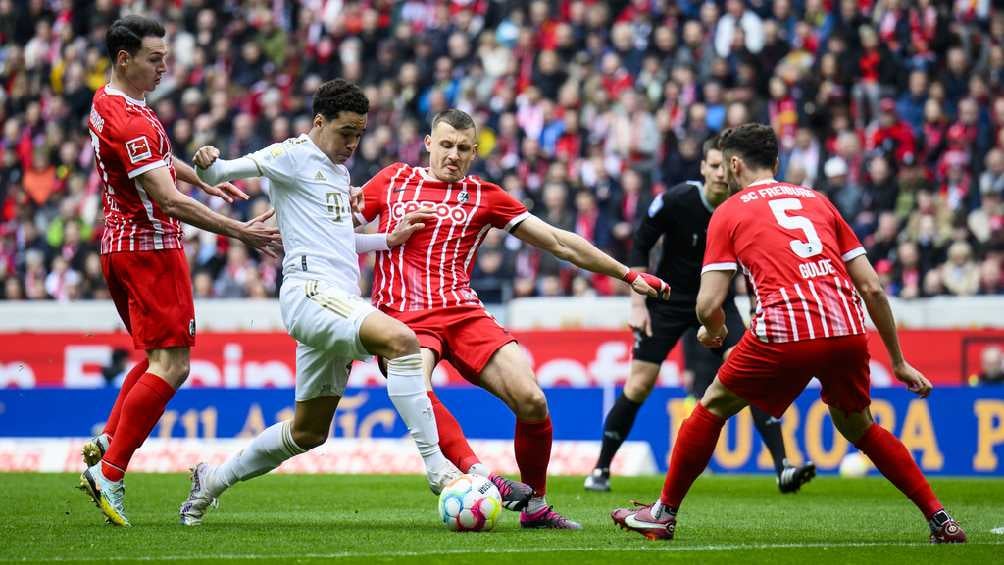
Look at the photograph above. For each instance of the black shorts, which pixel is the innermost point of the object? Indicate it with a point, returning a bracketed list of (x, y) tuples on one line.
[(671, 321)]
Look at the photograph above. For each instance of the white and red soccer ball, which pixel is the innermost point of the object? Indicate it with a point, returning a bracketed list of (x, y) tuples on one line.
[(470, 504)]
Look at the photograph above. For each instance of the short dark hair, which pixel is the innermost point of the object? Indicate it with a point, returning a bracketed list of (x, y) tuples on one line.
[(126, 34), (709, 144), (457, 119), (754, 143), (340, 95)]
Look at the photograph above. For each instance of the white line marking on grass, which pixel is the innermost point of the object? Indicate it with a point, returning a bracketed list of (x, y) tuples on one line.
[(669, 548), (999, 531)]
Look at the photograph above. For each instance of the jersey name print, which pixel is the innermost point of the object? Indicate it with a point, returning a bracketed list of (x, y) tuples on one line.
[(432, 269), (792, 245)]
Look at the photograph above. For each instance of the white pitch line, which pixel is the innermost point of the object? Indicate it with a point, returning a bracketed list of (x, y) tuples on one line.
[(668, 548)]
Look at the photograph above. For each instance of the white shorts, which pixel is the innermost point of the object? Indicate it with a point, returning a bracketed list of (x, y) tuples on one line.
[(325, 322)]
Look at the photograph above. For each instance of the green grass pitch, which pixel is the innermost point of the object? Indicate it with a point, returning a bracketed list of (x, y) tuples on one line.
[(377, 519)]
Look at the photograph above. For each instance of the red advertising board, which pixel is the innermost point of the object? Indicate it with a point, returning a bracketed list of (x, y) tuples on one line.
[(560, 358)]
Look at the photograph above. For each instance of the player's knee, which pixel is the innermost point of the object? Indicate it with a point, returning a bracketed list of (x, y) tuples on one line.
[(638, 391), (308, 439), (851, 425), (401, 341), (532, 405)]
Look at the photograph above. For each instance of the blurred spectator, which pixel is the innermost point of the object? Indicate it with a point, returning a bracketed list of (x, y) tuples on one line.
[(586, 111), (960, 274), (991, 367)]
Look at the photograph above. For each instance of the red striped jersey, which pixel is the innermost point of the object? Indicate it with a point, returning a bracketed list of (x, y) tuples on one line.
[(792, 245), (433, 268), (128, 141)]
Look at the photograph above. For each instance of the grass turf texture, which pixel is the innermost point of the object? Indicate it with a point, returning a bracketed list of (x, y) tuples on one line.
[(373, 519)]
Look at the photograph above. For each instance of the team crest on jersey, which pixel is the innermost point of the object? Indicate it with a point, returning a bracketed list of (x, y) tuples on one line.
[(138, 149), (463, 197)]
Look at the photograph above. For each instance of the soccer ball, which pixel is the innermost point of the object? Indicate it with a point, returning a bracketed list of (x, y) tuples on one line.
[(470, 504), (854, 465)]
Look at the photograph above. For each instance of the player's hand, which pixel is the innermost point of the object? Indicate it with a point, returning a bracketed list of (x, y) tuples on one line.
[(206, 156), (256, 233), (647, 285), (639, 319), (712, 340), (356, 199), (914, 380), (224, 190), (411, 223)]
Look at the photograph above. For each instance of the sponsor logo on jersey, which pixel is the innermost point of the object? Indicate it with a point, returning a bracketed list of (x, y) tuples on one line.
[(455, 214), (320, 176), (138, 149)]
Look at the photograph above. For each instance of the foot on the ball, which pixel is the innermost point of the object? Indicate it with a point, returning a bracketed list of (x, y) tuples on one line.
[(546, 517), (792, 478), (640, 519), (598, 480), (108, 496), (515, 495), (194, 508), (944, 529)]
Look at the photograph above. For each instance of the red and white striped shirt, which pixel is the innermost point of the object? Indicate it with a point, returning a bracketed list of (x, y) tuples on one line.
[(128, 141), (792, 245), (433, 268)]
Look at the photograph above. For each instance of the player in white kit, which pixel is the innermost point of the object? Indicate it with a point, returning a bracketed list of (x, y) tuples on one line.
[(319, 298)]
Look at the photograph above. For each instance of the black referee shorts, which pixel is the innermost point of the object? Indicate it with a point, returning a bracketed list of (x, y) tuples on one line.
[(671, 321)]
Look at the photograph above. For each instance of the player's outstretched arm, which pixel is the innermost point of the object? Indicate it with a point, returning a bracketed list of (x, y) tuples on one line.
[(867, 283), (576, 250), (411, 223), (224, 190), (159, 184), (213, 170)]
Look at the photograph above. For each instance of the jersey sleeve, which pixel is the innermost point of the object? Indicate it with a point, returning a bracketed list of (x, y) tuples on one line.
[(653, 225), (275, 162), (848, 244), (505, 212), (139, 147), (719, 253), (375, 192)]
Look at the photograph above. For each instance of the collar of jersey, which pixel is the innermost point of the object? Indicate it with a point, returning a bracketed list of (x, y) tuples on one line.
[(314, 147), (700, 192), (109, 89), (763, 182)]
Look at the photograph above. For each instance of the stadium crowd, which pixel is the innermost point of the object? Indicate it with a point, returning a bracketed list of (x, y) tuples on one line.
[(893, 109)]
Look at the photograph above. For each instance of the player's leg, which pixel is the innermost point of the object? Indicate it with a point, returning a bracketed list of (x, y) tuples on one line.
[(508, 375), (646, 359), (162, 321), (94, 449), (391, 339), (845, 388), (452, 441), (321, 377)]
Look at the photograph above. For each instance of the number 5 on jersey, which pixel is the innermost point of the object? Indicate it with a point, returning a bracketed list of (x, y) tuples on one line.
[(813, 245)]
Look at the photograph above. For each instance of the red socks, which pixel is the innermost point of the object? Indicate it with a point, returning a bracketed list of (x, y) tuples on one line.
[(140, 410), (533, 452), (451, 438), (130, 380), (895, 462), (695, 443)]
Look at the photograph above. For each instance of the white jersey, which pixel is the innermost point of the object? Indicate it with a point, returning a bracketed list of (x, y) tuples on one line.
[(310, 195)]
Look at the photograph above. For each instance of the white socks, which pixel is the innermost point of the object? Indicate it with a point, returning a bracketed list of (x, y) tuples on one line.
[(480, 470), (406, 388), (266, 452)]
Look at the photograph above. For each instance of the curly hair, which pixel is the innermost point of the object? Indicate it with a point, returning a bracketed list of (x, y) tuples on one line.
[(754, 143), (339, 95)]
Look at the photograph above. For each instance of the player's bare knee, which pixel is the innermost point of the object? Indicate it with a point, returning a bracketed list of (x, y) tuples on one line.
[(400, 342), (851, 425), (531, 405), (638, 391), (721, 402), (308, 439)]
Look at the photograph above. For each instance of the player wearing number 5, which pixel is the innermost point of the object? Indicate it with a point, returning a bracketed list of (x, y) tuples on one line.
[(809, 275), (319, 299)]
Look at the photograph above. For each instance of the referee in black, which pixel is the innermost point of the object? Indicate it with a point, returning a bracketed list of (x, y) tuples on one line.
[(680, 217)]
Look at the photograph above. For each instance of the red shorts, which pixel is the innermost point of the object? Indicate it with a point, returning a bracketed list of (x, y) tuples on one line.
[(466, 336), (771, 375), (152, 291)]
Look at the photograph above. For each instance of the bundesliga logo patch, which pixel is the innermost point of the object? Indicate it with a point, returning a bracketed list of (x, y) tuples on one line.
[(191, 328), (464, 197), (138, 149)]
